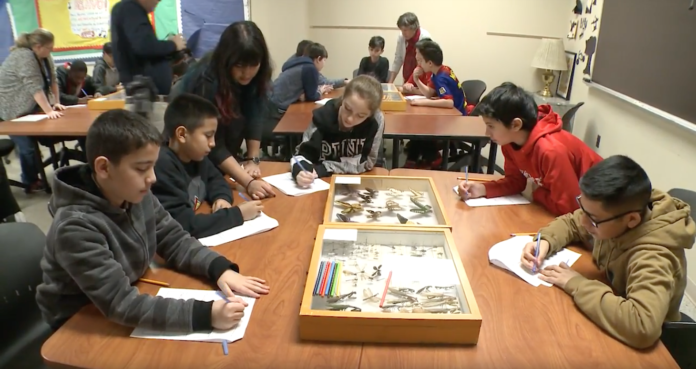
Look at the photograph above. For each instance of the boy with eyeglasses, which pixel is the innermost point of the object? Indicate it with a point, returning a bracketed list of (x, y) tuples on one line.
[(638, 237)]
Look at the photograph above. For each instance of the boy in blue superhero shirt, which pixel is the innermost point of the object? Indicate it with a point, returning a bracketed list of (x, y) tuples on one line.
[(443, 91)]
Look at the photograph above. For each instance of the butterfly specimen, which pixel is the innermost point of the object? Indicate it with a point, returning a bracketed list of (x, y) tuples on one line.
[(393, 205), (349, 208), (373, 214), (343, 218)]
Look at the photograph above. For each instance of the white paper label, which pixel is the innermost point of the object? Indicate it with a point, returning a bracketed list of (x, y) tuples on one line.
[(341, 234), (348, 180)]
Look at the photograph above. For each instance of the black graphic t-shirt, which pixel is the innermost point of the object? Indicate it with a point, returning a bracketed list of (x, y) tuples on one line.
[(327, 149)]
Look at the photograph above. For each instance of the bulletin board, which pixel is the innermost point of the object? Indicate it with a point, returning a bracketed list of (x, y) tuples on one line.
[(6, 35), (77, 24)]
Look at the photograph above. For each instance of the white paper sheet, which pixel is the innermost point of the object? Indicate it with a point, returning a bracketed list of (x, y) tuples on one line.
[(495, 201), (347, 180), (31, 118), (260, 224), (100, 99), (507, 255), (231, 335), (414, 97), (322, 101), (285, 184), (436, 272), (76, 106)]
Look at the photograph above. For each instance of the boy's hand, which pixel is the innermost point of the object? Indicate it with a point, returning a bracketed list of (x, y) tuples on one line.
[(119, 87), (249, 286), (98, 94), (528, 260), (558, 275), (225, 315), (251, 209), (305, 179), (259, 189), (178, 41), (415, 102), (407, 87), (471, 190), (84, 100), (325, 89), (221, 204), (417, 73)]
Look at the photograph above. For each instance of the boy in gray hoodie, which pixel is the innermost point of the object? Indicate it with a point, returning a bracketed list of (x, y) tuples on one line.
[(106, 230)]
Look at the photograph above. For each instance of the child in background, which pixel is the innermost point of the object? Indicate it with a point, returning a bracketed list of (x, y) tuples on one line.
[(425, 154), (375, 65), (107, 228), (302, 48), (187, 178), (345, 134), (638, 235), (535, 147), (75, 86), (105, 75)]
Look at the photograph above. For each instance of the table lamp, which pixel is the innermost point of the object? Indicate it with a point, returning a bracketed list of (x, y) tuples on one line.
[(550, 57)]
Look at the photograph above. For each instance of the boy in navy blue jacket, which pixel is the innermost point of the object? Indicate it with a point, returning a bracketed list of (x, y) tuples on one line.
[(187, 178)]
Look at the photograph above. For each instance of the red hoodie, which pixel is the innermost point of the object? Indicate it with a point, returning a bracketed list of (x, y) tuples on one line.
[(553, 158)]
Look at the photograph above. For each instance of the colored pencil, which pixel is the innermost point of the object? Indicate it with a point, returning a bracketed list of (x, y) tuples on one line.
[(386, 289), (340, 274), (243, 197), (224, 347), (323, 277), (330, 286), (326, 276), (316, 283), (335, 279), (329, 280), (152, 281)]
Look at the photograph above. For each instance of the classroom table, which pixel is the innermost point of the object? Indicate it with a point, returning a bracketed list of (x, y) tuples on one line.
[(523, 326)]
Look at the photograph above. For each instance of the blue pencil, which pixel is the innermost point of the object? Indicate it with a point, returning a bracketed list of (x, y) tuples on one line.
[(323, 276), (243, 197), (334, 275), (327, 288), (224, 347), (536, 252), (316, 284)]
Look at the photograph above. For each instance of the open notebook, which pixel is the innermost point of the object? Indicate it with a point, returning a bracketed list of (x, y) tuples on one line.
[(285, 184), (507, 255), (494, 201), (234, 334), (260, 224)]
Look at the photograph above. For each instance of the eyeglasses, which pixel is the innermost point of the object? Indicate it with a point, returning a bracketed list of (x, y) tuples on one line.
[(596, 223)]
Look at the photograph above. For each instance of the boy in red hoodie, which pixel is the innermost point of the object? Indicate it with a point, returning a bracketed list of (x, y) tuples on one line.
[(535, 147)]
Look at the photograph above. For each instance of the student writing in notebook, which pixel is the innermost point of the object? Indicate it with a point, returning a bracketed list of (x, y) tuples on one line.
[(186, 177), (638, 237), (106, 230), (535, 147), (345, 135)]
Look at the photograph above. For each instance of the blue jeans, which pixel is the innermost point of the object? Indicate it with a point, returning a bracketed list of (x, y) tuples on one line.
[(26, 147)]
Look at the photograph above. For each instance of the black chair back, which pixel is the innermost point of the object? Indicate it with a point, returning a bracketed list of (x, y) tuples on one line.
[(473, 90), (568, 117)]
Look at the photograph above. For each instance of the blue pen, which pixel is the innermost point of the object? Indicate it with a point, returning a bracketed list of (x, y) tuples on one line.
[(536, 252), (84, 92), (301, 166), (243, 197), (224, 347)]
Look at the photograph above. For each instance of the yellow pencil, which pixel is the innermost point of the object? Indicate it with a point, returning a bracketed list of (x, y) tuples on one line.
[(152, 281), (523, 234), (474, 179)]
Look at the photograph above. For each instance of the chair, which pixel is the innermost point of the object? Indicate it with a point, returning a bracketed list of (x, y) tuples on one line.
[(680, 337), (6, 148), (473, 90), (23, 329), (568, 117)]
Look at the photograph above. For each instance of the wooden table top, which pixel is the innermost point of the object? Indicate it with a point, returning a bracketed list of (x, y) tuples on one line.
[(74, 122), (309, 106), (538, 328)]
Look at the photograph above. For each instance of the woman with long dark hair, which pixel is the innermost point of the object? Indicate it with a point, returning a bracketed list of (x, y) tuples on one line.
[(236, 77)]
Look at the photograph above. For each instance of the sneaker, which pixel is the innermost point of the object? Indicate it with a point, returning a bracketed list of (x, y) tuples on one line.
[(34, 187)]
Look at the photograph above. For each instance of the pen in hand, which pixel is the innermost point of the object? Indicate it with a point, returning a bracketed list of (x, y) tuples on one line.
[(302, 167), (536, 253), (243, 197)]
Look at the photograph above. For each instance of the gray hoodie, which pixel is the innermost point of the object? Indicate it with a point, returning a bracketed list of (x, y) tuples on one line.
[(96, 251)]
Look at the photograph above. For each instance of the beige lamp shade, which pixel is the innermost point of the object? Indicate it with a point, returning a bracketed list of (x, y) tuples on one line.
[(550, 55)]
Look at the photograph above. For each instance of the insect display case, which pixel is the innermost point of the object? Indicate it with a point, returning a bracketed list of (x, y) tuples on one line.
[(116, 100), (385, 200), (388, 285), (392, 99)]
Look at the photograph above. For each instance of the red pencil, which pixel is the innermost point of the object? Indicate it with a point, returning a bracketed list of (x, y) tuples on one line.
[(326, 277), (386, 289)]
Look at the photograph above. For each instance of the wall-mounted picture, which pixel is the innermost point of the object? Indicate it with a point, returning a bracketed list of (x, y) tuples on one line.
[(565, 80)]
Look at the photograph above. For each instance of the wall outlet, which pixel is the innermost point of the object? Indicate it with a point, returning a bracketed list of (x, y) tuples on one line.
[(599, 138)]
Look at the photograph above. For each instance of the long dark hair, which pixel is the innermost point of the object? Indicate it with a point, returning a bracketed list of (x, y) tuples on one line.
[(241, 44)]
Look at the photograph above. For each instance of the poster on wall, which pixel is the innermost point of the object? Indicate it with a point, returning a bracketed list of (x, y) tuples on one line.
[(77, 24), (203, 21)]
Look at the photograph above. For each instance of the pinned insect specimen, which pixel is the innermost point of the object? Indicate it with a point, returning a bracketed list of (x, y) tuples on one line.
[(348, 191), (349, 208), (368, 295), (373, 193), (415, 193), (392, 205), (341, 297), (393, 192), (377, 272), (338, 307), (396, 292), (404, 220), (344, 218), (405, 289), (374, 214), (364, 198), (424, 289), (421, 209)]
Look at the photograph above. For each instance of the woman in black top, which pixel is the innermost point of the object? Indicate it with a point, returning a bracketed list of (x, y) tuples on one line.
[(235, 77)]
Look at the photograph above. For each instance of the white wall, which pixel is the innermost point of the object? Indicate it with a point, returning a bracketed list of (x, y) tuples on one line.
[(665, 150)]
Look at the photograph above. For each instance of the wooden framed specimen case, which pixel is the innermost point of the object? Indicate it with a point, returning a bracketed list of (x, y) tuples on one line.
[(388, 285), (392, 99), (384, 200), (116, 100)]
